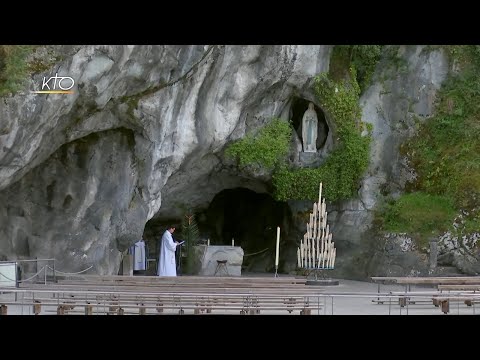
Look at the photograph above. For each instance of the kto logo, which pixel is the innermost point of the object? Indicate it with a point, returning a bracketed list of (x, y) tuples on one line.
[(60, 85)]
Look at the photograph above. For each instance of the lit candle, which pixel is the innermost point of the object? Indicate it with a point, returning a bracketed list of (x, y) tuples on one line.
[(278, 244), (233, 242), (208, 242)]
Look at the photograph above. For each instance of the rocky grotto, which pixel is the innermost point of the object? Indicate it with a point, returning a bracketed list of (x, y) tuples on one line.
[(143, 140)]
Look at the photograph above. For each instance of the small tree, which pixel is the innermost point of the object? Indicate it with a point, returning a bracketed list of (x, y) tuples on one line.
[(190, 234)]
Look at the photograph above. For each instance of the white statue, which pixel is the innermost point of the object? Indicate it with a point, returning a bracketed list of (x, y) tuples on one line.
[(309, 129)]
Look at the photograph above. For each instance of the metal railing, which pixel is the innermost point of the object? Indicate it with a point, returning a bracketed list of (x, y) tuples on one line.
[(37, 271)]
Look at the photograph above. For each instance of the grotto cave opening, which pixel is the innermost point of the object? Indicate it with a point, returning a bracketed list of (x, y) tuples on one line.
[(248, 217)]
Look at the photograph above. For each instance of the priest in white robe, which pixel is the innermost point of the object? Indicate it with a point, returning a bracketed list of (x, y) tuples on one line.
[(166, 262)]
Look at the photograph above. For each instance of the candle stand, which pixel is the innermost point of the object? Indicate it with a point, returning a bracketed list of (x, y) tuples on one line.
[(317, 251)]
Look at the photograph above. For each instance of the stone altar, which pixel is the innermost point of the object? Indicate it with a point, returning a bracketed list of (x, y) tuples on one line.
[(205, 259)]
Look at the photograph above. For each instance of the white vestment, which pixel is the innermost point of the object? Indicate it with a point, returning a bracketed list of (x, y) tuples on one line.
[(139, 259), (166, 261)]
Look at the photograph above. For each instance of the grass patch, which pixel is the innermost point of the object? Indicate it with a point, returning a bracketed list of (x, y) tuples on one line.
[(14, 68), (18, 62), (420, 215), (446, 151), (445, 155)]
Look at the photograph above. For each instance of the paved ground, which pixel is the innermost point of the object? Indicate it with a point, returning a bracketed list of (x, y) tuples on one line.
[(341, 304), (347, 298)]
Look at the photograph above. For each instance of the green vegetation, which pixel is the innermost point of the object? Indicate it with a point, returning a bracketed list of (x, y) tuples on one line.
[(363, 58), (14, 68), (342, 170), (265, 149), (393, 61), (17, 62), (43, 62), (392, 66), (350, 73), (445, 151), (419, 214), (445, 155), (472, 223)]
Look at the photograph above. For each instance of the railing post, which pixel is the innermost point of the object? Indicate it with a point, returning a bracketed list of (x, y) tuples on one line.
[(88, 309)]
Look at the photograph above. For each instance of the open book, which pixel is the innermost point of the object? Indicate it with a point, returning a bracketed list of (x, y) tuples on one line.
[(180, 243)]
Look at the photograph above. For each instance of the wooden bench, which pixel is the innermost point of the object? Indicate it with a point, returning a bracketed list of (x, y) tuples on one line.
[(182, 284), (443, 301), (434, 280), (470, 288), (244, 306), (62, 308), (201, 303), (407, 281), (67, 299), (437, 297), (202, 294), (181, 279)]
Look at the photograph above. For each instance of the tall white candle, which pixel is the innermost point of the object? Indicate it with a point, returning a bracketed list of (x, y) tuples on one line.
[(301, 253), (233, 242), (298, 258), (320, 193), (208, 242), (278, 245)]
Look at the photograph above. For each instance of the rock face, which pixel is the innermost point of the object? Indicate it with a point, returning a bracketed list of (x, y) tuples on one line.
[(461, 252), (143, 136), (81, 174), (392, 107), (73, 209), (399, 257)]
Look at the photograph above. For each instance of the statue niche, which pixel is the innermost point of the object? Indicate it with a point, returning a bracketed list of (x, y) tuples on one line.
[(309, 129)]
